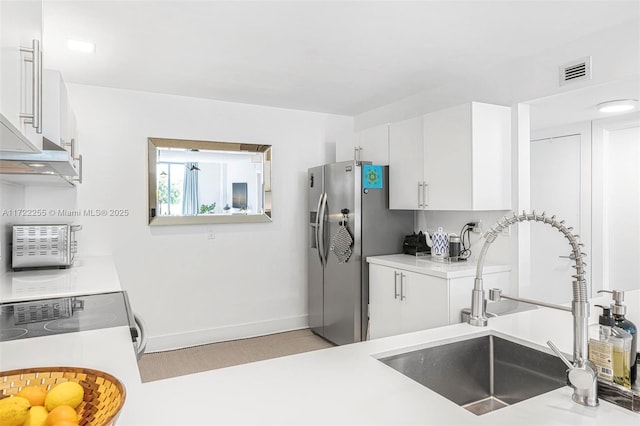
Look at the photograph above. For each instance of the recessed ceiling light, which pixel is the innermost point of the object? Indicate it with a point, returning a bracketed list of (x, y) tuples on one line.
[(36, 165), (620, 105), (81, 46)]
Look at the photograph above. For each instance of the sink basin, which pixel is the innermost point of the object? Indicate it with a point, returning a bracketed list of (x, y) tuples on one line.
[(482, 374)]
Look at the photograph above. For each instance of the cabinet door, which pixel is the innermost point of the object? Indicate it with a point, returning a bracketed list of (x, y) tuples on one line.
[(467, 153), (59, 121), (424, 300), (345, 146), (21, 23), (374, 145), (491, 158), (447, 158), (74, 143), (406, 164), (384, 302), (460, 290)]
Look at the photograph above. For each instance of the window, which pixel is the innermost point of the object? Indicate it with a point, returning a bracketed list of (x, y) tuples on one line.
[(170, 183)]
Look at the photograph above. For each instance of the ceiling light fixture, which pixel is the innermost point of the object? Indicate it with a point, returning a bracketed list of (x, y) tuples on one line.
[(81, 46), (620, 105)]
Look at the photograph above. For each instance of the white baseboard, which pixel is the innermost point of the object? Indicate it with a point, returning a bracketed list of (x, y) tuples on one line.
[(174, 341)]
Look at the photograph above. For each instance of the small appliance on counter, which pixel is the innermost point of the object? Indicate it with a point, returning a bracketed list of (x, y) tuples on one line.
[(416, 244), (454, 248), (43, 246), (440, 247)]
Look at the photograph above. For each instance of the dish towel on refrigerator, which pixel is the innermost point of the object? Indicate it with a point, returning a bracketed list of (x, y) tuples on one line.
[(341, 243)]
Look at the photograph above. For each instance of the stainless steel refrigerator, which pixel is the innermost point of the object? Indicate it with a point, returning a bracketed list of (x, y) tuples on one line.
[(349, 219)]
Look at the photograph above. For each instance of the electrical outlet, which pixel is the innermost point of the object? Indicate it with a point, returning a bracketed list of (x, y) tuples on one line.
[(476, 227), (211, 235)]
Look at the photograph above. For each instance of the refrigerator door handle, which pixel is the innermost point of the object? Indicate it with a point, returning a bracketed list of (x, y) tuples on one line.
[(320, 228), (316, 228)]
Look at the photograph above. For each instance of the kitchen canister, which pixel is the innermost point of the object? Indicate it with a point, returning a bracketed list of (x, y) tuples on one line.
[(454, 247), (440, 247)]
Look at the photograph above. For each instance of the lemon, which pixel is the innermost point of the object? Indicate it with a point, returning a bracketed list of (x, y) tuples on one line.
[(13, 411), (37, 416), (35, 394), (66, 393)]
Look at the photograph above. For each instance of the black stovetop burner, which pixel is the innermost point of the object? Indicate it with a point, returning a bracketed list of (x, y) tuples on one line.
[(44, 317)]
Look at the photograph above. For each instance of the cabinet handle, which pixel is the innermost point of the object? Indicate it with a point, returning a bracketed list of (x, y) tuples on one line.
[(425, 194), (402, 295), (79, 159), (420, 194), (35, 117), (395, 285), (357, 151)]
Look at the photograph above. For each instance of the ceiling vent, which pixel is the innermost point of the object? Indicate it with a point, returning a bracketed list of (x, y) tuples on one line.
[(576, 71)]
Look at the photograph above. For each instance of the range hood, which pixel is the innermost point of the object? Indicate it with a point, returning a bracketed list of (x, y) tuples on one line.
[(52, 161)]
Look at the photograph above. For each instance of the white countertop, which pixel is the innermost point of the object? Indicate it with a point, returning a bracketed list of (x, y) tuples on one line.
[(429, 266), (88, 275), (344, 385), (108, 349)]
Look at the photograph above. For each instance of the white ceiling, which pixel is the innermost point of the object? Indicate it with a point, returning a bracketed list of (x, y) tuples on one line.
[(581, 105), (341, 57)]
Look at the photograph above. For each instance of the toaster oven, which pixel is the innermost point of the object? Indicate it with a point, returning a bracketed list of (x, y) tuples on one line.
[(43, 246)]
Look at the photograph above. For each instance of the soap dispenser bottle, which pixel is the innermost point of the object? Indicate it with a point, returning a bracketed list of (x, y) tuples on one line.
[(621, 341), (619, 311), (601, 345)]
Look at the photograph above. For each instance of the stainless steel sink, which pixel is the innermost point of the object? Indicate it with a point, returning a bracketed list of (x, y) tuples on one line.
[(482, 374)]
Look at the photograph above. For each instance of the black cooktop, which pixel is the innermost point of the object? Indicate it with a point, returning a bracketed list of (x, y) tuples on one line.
[(44, 317)]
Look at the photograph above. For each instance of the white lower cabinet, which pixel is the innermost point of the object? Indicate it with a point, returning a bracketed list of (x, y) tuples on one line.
[(401, 301)]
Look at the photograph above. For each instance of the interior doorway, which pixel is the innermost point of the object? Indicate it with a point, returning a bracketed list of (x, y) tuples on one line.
[(556, 188)]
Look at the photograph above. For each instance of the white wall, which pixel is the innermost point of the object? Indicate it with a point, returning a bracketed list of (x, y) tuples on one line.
[(11, 199), (251, 278), (622, 209)]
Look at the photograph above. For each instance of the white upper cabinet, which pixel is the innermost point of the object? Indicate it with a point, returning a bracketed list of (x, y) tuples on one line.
[(454, 159), (370, 144), (21, 76), (373, 144), (59, 122), (406, 174), (346, 147)]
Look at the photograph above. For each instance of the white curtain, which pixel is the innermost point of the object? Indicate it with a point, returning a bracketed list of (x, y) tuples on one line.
[(190, 190)]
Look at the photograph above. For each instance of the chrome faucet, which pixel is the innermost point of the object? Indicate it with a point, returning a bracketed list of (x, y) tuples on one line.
[(582, 373)]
